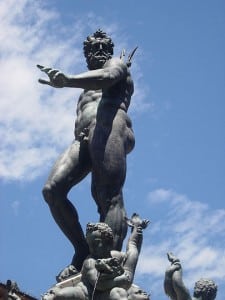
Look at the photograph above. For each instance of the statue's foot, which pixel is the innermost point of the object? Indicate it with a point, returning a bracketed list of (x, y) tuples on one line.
[(67, 273)]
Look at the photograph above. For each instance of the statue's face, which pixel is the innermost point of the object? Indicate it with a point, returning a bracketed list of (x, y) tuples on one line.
[(99, 54), (97, 245)]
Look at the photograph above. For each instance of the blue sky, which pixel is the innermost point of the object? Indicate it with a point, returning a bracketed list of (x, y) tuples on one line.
[(176, 172)]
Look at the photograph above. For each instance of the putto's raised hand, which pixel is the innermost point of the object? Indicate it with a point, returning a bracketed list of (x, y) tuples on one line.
[(136, 221), (56, 78), (172, 258)]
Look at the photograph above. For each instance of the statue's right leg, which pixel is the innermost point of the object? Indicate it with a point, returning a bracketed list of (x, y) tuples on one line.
[(70, 168)]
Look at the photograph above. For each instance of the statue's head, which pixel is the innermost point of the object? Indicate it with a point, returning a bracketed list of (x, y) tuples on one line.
[(98, 48), (205, 289), (99, 238)]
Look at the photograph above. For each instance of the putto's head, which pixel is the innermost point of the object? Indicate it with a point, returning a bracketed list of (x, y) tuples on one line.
[(103, 229), (99, 237), (205, 289), (98, 48)]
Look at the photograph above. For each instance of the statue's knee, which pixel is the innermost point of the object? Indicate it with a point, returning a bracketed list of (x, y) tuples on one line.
[(49, 192)]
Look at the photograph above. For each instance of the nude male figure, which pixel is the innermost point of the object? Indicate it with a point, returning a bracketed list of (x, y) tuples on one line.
[(103, 138)]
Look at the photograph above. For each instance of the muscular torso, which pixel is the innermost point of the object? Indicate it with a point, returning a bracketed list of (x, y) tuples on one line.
[(107, 110)]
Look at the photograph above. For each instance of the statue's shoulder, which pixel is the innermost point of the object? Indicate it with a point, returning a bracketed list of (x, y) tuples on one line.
[(116, 62)]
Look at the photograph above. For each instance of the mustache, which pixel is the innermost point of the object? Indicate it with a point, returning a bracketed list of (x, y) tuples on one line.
[(100, 53)]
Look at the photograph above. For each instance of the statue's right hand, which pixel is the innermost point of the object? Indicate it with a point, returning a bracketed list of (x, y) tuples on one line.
[(56, 78)]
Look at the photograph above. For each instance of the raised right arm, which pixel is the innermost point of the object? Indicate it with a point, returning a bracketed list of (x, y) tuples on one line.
[(113, 71), (132, 253), (173, 283)]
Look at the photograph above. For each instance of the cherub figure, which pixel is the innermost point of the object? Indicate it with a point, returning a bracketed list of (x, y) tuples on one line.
[(205, 289), (106, 274)]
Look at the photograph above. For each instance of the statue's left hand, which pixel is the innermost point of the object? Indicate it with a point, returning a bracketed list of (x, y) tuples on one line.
[(56, 78)]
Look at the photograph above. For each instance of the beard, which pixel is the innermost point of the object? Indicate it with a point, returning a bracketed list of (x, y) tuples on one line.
[(97, 60)]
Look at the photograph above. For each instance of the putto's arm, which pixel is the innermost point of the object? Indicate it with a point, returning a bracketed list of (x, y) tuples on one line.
[(134, 243), (89, 271), (173, 283), (113, 71), (132, 252)]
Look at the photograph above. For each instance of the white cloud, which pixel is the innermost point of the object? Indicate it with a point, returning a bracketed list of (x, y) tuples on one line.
[(192, 231), (37, 121)]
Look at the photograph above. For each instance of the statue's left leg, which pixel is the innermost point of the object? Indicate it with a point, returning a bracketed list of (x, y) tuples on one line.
[(113, 213), (108, 176)]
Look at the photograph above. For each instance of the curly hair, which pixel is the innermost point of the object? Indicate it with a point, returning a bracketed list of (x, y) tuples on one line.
[(206, 288), (99, 34), (104, 229)]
